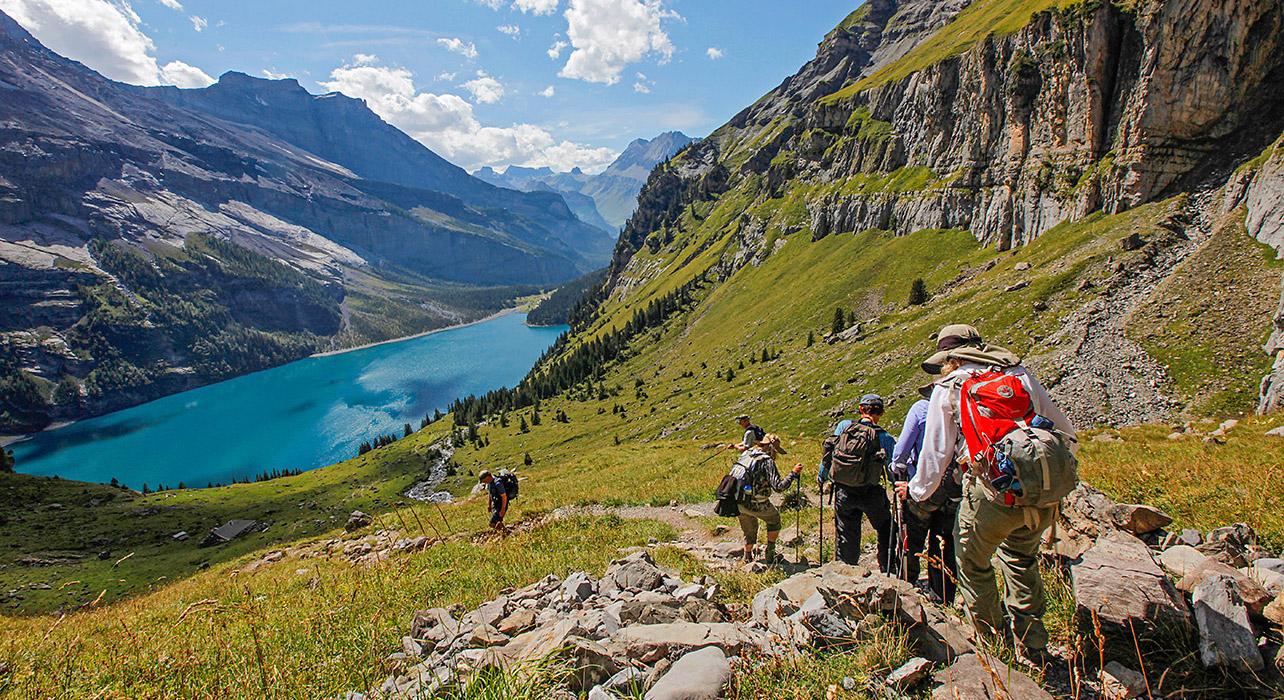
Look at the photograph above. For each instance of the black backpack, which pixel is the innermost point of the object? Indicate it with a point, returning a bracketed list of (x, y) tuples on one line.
[(508, 480), (854, 457), (758, 433), (726, 497)]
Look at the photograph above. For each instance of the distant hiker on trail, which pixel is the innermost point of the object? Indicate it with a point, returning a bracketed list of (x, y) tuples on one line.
[(758, 476), (752, 434), (498, 499), (1018, 451), (856, 457), (931, 520)]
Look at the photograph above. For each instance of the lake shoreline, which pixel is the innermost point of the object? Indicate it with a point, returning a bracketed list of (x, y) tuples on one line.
[(492, 317)]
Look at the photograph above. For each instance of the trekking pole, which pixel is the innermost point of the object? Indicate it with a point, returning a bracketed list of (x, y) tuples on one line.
[(821, 559), (798, 520), (715, 454)]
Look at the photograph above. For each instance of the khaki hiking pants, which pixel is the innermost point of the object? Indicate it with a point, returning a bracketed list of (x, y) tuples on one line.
[(983, 529), (750, 515)]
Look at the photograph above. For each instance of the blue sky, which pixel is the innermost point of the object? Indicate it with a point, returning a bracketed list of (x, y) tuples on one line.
[(482, 82)]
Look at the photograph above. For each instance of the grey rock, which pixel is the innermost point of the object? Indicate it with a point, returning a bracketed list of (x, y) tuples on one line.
[(600, 693), (519, 621), (650, 643), (1191, 537), (1181, 559), (1250, 592), (357, 520), (1118, 585), (1239, 534), (579, 586), (1270, 563), (910, 674), (1118, 682), (637, 571), (1225, 636), (626, 680), (973, 677), (698, 675)]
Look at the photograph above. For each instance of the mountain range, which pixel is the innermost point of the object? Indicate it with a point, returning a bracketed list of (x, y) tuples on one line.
[(152, 239), (607, 199)]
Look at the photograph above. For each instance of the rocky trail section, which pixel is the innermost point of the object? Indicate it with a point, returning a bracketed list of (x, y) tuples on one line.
[(643, 629)]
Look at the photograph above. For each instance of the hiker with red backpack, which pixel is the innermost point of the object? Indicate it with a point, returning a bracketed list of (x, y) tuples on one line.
[(1017, 449), (855, 457)]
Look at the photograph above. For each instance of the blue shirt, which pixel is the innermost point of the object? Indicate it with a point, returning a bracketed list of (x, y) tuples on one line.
[(910, 443)]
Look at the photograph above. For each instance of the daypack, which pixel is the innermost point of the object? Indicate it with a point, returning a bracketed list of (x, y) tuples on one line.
[(728, 491), (854, 457), (508, 480), (1018, 456), (758, 433), (744, 472)]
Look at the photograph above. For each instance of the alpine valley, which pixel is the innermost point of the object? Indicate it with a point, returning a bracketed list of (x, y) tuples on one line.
[(1096, 185)]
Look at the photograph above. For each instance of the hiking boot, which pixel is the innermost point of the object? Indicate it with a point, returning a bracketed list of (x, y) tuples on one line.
[(770, 557)]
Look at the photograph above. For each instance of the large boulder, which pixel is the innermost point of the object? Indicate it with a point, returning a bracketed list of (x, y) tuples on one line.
[(592, 663), (650, 643), (357, 520), (1269, 579), (1225, 636), (652, 609), (1084, 519), (698, 675), (1118, 586), (1181, 559), (637, 572), (975, 677)]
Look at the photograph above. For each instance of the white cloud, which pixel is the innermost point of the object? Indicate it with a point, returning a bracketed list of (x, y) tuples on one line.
[(492, 4), (538, 7), (640, 87), (714, 53), (485, 89), (273, 75), (547, 92), (448, 77), (555, 51), (607, 35), (511, 29), (172, 4), (101, 35), (455, 45), (447, 125), (184, 76), (198, 23)]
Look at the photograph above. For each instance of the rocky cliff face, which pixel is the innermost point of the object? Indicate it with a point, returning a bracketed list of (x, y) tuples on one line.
[(959, 115)]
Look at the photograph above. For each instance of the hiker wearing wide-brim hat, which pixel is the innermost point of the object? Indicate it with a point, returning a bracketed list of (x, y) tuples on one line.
[(985, 526), (756, 470)]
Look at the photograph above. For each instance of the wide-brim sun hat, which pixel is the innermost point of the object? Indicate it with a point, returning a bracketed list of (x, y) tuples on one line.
[(772, 441), (964, 342)]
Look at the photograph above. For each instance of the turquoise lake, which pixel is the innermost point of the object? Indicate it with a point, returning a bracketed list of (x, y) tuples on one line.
[(303, 415)]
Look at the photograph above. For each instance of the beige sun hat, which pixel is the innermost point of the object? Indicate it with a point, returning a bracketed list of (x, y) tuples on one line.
[(964, 342), (771, 443)]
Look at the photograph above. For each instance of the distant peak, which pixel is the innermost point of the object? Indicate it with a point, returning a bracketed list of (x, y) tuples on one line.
[(238, 78)]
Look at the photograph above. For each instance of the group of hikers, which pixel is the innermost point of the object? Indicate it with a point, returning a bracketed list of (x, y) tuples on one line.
[(979, 469)]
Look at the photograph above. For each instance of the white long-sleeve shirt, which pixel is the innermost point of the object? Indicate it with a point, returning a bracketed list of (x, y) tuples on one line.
[(941, 434)]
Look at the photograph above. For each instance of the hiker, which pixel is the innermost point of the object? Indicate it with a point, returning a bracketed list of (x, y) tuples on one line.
[(1017, 449), (752, 434), (931, 520), (856, 457), (758, 477), (498, 500)]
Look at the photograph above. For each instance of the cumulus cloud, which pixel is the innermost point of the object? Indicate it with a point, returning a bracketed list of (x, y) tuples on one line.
[(485, 89), (198, 23), (172, 4), (447, 124), (182, 75), (103, 35), (510, 29), (555, 51), (547, 92), (456, 45), (714, 53), (607, 35), (536, 7)]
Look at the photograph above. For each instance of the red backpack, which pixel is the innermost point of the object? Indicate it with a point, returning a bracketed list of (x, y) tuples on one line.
[(1019, 457)]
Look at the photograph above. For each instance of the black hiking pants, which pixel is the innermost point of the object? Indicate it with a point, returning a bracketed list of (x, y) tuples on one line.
[(937, 529), (849, 504)]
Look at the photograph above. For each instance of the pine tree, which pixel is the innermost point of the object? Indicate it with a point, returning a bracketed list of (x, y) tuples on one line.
[(918, 292), (811, 339), (145, 489), (535, 416), (7, 461), (731, 374), (503, 419), (527, 460), (840, 321), (408, 430), (522, 424), (766, 356)]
